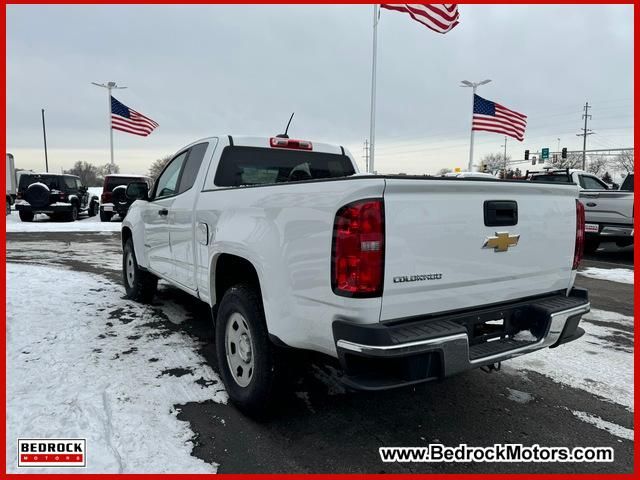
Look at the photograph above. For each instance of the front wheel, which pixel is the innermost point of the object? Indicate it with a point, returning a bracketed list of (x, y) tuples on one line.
[(139, 284), (93, 209), (247, 359)]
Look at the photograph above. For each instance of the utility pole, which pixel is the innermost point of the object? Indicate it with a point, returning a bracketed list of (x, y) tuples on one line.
[(372, 124), (44, 134), (366, 155), (585, 132), (109, 86)]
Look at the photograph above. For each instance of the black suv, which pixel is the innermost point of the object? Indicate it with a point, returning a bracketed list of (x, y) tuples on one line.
[(59, 196)]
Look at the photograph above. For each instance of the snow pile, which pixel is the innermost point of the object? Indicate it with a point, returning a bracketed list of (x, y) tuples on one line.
[(601, 362), (621, 275), (90, 364)]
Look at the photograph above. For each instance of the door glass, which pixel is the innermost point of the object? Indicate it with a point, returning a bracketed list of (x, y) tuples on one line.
[(167, 183), (70, 183), (590, 183), (192, 166)]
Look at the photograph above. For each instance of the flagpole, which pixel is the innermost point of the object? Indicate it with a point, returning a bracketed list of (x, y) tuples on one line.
[(473, 99), (109, 86), (372, 132)]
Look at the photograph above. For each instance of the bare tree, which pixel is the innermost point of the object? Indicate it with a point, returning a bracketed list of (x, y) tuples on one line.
[(443, 171), (597, 164), (87, 172), (573, 160), (494, 162), (156, 167), (624, 161)]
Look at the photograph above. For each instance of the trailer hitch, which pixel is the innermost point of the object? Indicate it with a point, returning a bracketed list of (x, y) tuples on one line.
[(493, 367)]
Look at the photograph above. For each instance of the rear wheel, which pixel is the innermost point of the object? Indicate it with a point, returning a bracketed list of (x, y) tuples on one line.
[(139, 284), (26, 216), (247, 360), (72, 216), (591, 245), (105, 216)]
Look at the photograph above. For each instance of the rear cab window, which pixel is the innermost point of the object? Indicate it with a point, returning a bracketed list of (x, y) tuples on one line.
[(112, 182), (245, 166), (552, 177), (51, 181)]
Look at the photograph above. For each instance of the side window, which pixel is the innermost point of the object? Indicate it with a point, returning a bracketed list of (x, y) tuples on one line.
[(70, 183), (192, 166), (590, 183), (167, 183), (78, 183)]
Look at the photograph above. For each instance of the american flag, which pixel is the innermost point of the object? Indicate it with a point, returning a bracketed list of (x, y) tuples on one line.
[(127, 120), (439, 17), (493, 117)]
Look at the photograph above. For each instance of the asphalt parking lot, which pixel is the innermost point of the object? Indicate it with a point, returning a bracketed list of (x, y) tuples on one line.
[(319, 426)]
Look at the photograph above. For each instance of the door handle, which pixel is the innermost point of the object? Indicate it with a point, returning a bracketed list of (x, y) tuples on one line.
[(164, 212), (591, 204)]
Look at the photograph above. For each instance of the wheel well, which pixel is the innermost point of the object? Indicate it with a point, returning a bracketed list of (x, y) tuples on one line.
[(126, 235), (231, 270)]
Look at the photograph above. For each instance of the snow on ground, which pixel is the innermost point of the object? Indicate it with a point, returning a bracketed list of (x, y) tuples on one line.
[(621, 275), (612, 428), (88, 363), (42, 223), (601, 362)]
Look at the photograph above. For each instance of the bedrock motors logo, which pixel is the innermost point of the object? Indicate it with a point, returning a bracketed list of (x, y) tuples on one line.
[(47, 452)]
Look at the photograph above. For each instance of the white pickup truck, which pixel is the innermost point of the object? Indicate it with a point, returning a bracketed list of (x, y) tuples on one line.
[(400, 279), (608, 213)]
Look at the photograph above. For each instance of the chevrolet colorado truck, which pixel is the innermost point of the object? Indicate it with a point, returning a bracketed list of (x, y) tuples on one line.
[(608, 213), (400, 279)]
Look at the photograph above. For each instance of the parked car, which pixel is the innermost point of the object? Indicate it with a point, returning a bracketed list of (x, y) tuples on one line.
[(399, 279), (114, 199), (609, 213), (62, 197), (11, 182)]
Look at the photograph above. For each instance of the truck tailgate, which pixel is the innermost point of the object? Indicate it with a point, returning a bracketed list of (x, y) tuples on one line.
[(608, 206), (435, 254)]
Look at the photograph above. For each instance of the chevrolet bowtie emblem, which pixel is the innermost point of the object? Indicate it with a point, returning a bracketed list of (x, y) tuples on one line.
[(501, 242)]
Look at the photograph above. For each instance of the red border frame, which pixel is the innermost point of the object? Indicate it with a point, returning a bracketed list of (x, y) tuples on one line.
[(636, 289)]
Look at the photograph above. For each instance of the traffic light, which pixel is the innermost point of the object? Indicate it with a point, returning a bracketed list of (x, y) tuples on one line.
[(485, 168), (564, 152), (526, 154)]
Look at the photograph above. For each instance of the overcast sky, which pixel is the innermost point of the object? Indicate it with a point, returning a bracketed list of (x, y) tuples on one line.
[(206, 70)]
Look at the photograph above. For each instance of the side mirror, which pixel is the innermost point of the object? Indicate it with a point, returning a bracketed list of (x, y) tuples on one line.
[(138, 191)]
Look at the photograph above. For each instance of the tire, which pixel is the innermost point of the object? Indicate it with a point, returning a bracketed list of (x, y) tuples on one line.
[(72, 216), (242, 344), (93, 209), (26, 216), (105, 216), (140, 285), (591, 245)]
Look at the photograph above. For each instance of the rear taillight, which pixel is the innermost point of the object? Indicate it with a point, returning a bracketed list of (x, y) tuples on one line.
[(105, 197), (277, 142), (62, 196), (357, 259), (579, 248)]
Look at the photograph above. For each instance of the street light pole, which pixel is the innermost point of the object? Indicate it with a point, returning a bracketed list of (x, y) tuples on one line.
[(474, 86), (44, 134), (109, 86)]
